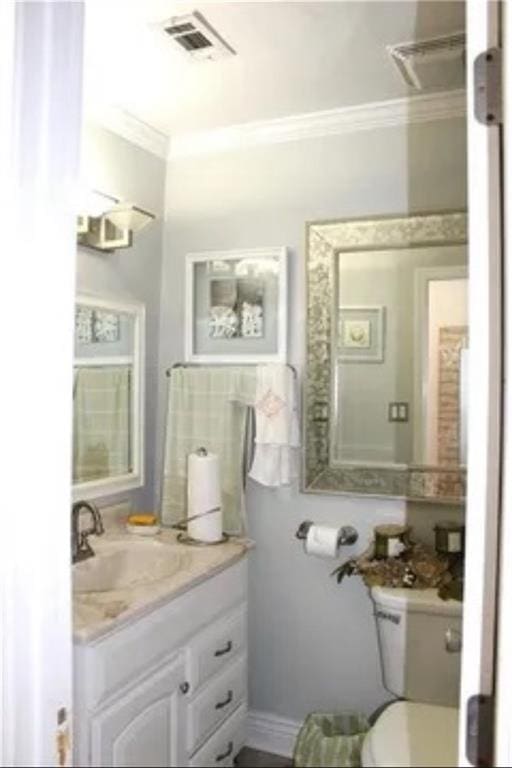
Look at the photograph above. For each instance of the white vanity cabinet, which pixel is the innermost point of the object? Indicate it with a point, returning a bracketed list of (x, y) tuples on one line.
[(170, 687), (145, 727)]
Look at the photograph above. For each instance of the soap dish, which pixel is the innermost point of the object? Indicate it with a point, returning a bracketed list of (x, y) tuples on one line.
[(143, 530)]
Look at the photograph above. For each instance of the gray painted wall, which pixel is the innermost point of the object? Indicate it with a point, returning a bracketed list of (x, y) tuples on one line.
[(115, 166), (312, 644)]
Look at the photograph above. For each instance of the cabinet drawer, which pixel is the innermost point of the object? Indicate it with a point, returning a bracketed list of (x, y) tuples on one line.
[(225, 744), (216, 702), (217, 647)]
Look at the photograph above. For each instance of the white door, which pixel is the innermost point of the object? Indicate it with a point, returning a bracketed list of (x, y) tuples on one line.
[(485, 412), (40, 125), (146, 727)]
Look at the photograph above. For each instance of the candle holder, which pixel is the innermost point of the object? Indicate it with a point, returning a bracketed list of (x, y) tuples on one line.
[(449, 538), (391, 540)]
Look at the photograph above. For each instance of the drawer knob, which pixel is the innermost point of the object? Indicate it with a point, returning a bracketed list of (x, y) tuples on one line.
[(227, 700), (227, 648), (185, 687), (225, 754)]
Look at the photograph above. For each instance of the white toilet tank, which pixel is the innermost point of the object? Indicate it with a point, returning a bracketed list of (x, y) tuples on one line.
[(420, 643)]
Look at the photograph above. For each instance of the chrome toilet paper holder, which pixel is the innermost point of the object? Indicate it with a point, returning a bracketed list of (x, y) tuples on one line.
[(348, 534)]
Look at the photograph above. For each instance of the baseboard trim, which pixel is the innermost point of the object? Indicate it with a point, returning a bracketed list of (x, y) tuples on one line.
[(271, 733)]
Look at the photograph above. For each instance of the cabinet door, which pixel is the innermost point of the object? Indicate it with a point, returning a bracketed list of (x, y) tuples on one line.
[(146, 726)]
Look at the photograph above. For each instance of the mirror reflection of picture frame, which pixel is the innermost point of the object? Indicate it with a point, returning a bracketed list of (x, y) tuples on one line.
[(236, 306), (360, 331)]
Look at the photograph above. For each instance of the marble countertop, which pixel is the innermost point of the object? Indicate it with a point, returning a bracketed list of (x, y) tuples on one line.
[(98, 613)]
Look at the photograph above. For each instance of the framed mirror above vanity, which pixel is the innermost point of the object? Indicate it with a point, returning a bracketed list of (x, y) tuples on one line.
[(387, 347), (108, 397)]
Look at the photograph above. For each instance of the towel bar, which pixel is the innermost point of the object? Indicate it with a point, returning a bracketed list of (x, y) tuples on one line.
[(217, 365), (249, 445)]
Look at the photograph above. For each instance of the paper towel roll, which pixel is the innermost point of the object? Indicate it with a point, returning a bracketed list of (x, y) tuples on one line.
[(204, 494), (322, 541)]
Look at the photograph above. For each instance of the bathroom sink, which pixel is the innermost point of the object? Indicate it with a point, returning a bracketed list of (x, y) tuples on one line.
[(125, 564)]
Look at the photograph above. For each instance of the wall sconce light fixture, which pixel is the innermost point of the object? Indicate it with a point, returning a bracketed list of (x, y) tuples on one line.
[(108, 223), (129, 216)]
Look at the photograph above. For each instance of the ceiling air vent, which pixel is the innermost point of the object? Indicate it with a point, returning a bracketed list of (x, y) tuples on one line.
[(436, 64), (194, 36)]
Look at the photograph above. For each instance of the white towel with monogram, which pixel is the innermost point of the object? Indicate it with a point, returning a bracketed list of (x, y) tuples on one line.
[(277, 426)]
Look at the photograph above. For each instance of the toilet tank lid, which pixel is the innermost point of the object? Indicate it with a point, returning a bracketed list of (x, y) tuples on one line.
[(408, 734), (415, 600)]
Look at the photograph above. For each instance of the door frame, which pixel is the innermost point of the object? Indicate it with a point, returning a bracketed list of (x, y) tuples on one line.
[(485, 392), (423, 276), (41, 106), (503, 710), (7, 28)]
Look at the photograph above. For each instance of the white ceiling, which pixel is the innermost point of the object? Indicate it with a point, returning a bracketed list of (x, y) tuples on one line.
[(292, 58)]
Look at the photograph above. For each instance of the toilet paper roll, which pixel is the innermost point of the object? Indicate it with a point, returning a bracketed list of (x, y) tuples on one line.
[(203, 493), (322, 541)]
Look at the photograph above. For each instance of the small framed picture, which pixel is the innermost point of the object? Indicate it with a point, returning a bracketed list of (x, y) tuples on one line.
[(236, 306), (95, 326), (83, 324), (106, 327), (361, 334)]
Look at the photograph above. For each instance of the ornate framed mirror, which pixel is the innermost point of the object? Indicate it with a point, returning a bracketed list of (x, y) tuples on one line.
[(386, 353)]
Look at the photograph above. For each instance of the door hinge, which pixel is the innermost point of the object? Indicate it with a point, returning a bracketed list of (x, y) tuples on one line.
[(480, 730), (488, 96)]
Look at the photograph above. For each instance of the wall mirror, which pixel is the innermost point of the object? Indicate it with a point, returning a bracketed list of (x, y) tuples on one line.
[(387, 346), (108, 397)]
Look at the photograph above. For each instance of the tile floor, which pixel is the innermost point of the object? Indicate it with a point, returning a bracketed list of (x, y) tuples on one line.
[(253, 758)]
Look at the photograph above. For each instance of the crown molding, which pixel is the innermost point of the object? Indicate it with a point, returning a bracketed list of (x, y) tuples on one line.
[(380, 114), (133, 130), (363, 117)]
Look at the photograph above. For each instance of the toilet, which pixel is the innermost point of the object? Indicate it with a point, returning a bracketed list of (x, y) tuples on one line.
[(420, 643)]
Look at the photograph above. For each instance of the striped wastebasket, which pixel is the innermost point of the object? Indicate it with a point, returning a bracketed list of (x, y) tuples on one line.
[(330, 740)]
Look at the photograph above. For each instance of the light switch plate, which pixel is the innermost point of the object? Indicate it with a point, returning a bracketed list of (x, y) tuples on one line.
[(398, 412)]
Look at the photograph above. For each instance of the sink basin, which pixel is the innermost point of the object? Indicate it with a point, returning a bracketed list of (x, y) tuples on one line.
[(124, 564)]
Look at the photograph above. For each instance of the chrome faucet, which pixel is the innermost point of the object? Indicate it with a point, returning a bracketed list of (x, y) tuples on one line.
[(80, 547)]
